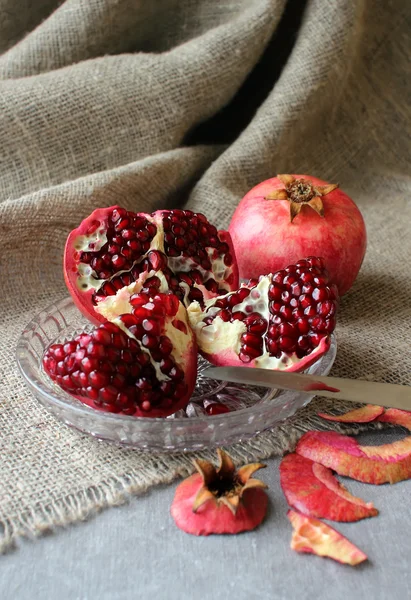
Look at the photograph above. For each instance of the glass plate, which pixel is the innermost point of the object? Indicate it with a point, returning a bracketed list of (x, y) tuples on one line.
[(253, 409)]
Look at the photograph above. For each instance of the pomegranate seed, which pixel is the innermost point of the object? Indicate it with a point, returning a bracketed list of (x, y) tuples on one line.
[(310, 311), (278, 277), (245, 358), (287, 330), (216, 408), (275, 292), (151, 326), (330, 325), (98, 380), (166, 365), (176, 373), (251, 350), (272, 346), (236, 316), (224, 315), (286, 344), (306, 301), (108, 394), (320, 294), (286, 312), (303, 325), (252, 340)]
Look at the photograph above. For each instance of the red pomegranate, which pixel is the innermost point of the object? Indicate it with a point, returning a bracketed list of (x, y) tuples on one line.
[(283, 321), (175, 250), (144, 363), (290, 216)]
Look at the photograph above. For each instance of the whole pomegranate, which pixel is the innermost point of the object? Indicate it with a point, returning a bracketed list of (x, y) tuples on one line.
[(283, 321), (113, 251), (290, 216)]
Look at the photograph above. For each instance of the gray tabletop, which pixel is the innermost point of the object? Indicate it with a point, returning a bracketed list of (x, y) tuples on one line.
[(135, 551)]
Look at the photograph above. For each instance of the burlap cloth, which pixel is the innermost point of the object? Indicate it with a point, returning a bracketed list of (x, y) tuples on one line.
[(154, 104)]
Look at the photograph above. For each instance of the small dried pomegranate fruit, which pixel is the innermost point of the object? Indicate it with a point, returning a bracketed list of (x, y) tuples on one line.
[(175, 250), (365, 414), (388, 463), (314, 537), (313, 490), (139, 364), (278, 323), (220, 500), (290, 216)]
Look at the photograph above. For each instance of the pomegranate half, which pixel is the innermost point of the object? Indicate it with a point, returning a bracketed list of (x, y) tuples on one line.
[(290, 216), (282, 321), (175, 250)]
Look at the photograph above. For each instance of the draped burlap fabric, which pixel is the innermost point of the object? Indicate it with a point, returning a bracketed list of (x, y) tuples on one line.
[(172, 102)]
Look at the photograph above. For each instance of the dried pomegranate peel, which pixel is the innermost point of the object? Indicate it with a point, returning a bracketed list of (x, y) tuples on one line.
[(395, 416), (388, 463), (312, 489), (314, 537), (365, 414), (220, 500), (176, 250), (282, 321)]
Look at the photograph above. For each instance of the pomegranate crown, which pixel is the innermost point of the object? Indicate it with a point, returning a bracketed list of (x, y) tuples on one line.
[(299, 192), (225, 485)]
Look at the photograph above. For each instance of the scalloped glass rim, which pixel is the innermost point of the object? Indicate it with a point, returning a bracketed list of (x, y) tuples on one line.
[(149, 434)]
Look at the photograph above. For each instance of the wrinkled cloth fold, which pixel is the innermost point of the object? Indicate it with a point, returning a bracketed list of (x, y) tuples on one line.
[(188, 103)]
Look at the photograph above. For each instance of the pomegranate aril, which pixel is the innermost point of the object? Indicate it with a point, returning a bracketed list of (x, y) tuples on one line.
[(166, 365), (98, 380), (320, 294), (287, 330), (272, 346), (139, 299), (176, 373), (216, 408), (286, 344), (275, 292), (108, 394), (286, 312), (303, 325), (149, 341), (251, 350), (252, 340), (225, 315), (310, 311), (245, 358), (330, 324), (151, 326), (278, 277), (237, 316)]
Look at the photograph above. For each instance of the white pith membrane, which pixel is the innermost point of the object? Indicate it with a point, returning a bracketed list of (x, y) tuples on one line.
[(181, 341), (87, 279), (220, 335)]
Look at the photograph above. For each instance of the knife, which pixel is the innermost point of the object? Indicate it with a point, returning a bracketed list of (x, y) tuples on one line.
[(354, 390)]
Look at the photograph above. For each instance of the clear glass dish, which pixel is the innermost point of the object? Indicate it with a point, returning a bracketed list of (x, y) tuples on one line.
[(253, 410)]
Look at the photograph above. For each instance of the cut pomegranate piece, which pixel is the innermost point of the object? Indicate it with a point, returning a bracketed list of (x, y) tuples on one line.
[(220, 500), (314, 537), (365, 414), (283, 321), (388, 463), (395, 416), (313, 490), (175, 250), (140, 364)]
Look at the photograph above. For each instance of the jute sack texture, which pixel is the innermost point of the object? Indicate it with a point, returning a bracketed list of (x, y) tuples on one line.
[(188, 102)]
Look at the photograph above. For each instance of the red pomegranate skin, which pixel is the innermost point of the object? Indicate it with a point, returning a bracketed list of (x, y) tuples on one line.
[(266, 241)]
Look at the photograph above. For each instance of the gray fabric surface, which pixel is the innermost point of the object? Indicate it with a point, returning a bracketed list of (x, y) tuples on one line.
[(158, 104), (137, 552)]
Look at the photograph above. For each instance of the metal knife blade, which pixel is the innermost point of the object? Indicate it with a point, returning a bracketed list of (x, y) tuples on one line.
[(354, 390)]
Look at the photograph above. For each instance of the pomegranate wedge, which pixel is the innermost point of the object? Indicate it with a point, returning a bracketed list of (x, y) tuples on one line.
[(143, 363), (389, 463), (365, 414), (313, 490), (314, 537), (396, 416), (175, 250), (282, 321)]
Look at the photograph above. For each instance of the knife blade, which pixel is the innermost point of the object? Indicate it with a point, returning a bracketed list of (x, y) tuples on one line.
[(354, 390)]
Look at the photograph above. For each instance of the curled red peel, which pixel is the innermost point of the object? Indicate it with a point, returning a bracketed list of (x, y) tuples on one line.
[(365, 414), (220, 500), (314, 537), (388, 463), (312, 489), (395, 416)]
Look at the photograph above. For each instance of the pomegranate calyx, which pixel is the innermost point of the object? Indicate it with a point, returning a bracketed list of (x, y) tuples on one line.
[(225, 485), (299, 192)]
